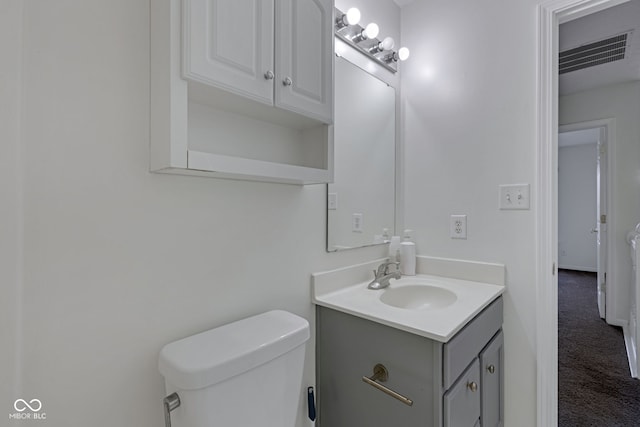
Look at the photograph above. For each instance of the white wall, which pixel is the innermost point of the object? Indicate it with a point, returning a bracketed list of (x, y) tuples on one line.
[(469, 106), (621, 102), (10, 200), (577, 207), (118, 261)]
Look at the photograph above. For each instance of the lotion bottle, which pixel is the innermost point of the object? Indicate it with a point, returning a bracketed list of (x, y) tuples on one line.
[(408, 255)]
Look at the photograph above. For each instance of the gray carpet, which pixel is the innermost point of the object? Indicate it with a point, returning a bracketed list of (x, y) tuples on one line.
[(594, 384)]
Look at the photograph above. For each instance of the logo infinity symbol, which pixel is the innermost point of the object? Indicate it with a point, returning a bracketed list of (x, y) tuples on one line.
[(37, 405)]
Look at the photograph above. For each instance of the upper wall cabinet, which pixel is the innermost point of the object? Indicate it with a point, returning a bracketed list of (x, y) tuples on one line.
[(243, 89), (304, 57), (229, 44)]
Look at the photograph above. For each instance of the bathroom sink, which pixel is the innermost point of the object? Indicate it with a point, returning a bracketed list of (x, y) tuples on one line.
[(418, 297)]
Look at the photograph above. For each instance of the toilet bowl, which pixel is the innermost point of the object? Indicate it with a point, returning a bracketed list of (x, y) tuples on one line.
[(246, 373)]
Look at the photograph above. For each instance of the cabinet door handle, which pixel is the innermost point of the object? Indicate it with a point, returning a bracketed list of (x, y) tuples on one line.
[(380, 373), (472, 386), (491, 369), (287, 81), (269, 75)]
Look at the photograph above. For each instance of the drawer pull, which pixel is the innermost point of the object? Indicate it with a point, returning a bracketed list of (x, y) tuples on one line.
[(491, 369), (380, 373), (269, 75), (472, 386)]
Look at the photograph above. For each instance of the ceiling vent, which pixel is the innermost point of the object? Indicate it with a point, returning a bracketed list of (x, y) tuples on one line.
[(600, 52)]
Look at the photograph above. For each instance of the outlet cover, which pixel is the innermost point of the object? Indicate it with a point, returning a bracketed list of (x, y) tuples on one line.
[(458, 227), (356, 223), (332, 201)]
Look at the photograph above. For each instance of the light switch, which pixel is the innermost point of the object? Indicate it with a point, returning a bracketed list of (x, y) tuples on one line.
[(514, 196)]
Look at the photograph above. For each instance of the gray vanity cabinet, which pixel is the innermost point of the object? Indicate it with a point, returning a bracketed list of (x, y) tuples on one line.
[(348, 349), (492, 380), (453, 384), (462, 400)]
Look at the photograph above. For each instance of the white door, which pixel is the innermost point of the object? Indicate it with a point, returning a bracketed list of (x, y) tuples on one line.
[(304, 57), (601, 221), (229, 44)]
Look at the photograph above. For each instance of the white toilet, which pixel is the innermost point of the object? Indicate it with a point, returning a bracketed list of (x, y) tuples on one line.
[(243, 374)]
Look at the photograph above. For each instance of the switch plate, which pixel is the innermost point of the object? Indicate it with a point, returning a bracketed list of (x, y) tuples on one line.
[(332, 201), (514, 196), (356, 223), (458, 227)]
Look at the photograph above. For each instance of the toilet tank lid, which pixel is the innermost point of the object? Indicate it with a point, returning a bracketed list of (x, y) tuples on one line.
[(215, 355)]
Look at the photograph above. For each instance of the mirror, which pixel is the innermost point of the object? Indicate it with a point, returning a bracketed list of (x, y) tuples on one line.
[(361, 201)]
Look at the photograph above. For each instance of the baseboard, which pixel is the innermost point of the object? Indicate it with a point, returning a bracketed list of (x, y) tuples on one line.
[(577, 268), (631, 352)]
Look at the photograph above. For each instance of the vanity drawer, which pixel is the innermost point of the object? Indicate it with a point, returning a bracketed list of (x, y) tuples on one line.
[(467, 344)]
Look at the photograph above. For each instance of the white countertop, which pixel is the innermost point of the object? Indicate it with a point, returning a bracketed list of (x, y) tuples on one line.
[(439, 324)]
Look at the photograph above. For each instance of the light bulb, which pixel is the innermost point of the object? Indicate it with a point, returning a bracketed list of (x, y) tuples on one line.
[(371, 31), (403, 53), (353, 16), (387, 44)]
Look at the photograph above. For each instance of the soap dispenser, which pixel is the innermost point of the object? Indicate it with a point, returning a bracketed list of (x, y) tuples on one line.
[(408, 255)]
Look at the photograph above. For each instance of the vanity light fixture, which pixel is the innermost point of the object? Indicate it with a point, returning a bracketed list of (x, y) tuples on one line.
[(387, 44), (352, 17), (364, 40), (369, 32), (402, 54)]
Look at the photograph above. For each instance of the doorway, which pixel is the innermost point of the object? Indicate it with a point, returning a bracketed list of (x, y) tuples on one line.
[(551, 15), (584, 201)]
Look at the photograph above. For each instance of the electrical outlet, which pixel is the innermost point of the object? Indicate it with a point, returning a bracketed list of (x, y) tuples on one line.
[(458, 227), (356, 223)]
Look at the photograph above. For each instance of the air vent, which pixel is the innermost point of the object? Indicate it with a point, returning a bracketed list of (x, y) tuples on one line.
[(596, 53)]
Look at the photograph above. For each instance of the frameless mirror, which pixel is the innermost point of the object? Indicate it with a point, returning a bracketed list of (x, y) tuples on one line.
[(361, 201)]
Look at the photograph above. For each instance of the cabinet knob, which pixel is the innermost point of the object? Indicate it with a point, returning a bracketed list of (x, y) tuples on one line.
[(472, 386), (269, 75), (287, 81), (491, 369)]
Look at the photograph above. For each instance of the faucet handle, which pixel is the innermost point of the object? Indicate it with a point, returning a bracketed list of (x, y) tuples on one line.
[(384, 267)]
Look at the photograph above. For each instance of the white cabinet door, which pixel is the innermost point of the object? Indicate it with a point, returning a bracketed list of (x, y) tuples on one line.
[(304, 57), (229, 44)]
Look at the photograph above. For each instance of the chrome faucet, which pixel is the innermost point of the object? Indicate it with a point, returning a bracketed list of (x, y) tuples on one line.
[(383, 276)]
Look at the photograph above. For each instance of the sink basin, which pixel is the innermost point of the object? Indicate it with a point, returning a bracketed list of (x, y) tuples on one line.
[(418, 297)]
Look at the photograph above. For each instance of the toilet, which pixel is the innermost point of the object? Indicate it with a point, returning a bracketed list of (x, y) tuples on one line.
[(246, 373)]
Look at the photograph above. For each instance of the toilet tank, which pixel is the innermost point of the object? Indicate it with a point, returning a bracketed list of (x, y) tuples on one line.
[(246, 373)]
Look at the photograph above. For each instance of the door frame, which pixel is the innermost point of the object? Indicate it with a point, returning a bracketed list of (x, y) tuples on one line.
[(550, 15), (609, 126)]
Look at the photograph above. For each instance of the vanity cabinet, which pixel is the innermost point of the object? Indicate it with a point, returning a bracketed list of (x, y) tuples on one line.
[(492, 380), (243, 89), (453, 384)]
